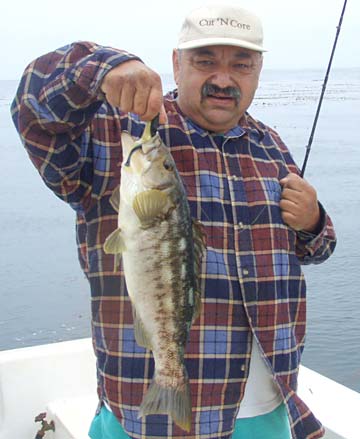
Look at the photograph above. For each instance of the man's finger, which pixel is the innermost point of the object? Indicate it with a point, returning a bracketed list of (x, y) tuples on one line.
[(163, 116), (112, 95), (291, 220), (291, 195), (288, 205), (127, 98), (141, 99), (292, 181), (154, 104)]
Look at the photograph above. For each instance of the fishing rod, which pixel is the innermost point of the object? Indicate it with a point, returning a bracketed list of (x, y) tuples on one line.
[(308, 147)]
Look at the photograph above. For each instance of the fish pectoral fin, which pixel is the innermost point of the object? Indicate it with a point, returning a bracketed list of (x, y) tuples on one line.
[(149, 204), (114, 243), (115, 199), (141, 336)]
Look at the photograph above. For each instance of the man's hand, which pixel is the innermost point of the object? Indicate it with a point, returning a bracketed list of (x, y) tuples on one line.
[(135, 88), (300, 209)]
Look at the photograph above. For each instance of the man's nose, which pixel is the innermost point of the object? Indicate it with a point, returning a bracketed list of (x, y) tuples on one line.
[(222, 79)]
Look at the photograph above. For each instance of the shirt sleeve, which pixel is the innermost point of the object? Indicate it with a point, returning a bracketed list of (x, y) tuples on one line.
[(57, 98), (311, 248)]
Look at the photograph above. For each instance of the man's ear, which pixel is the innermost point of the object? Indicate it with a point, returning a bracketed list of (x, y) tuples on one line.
[(176, 65), (261, 62)]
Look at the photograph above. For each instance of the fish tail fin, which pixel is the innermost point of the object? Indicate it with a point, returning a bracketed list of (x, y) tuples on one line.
[(174, 401)]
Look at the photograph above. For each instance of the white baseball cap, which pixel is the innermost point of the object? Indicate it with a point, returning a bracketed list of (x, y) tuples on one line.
[(221, 25)]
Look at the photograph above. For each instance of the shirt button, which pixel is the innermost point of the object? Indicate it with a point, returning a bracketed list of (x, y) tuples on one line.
[(241, 225), (243, 367), (245, 272)]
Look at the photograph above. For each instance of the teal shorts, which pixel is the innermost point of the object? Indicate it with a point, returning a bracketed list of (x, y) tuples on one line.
[(273, 425)]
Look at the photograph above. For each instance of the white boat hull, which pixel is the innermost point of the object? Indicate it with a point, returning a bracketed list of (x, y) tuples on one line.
[(60, 379)]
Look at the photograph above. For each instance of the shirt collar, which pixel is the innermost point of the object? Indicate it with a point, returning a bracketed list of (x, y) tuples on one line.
[(235, 132), (248, 123)]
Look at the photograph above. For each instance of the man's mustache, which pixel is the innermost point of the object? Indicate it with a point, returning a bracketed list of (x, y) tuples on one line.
[(209, 89)]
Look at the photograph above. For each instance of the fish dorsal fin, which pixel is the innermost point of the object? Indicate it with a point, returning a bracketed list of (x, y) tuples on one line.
[(199, 250), (114, 243), (115, 199), (149, 204)]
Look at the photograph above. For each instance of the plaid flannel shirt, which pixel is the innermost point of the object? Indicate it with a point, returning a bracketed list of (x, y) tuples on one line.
[(252, 283)]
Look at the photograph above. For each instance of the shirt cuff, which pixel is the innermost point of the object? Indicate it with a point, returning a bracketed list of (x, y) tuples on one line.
[(307, 237)]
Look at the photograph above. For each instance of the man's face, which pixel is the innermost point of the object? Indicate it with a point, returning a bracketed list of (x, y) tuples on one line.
[(216, 84)]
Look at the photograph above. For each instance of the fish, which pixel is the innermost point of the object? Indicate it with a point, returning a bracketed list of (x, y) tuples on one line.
[(161, 248)]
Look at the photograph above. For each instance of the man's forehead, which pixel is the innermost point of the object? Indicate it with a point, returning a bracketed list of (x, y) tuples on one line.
[(233, 51)]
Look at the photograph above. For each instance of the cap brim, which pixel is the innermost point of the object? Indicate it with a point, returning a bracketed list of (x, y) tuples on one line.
[(220, 42)]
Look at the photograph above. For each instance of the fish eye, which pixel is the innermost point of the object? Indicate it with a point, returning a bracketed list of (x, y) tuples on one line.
[(168, 165)]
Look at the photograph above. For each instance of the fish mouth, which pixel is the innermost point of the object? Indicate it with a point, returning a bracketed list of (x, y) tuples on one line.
[(135, 148), (146, 147)]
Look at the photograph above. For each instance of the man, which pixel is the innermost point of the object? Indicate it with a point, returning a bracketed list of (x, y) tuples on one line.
[(260, 218)]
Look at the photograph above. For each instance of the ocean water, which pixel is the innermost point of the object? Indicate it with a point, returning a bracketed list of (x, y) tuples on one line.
[(44, 296)]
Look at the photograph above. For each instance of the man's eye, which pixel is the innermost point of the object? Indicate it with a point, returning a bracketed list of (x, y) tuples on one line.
[(204, 62), (242, 67)]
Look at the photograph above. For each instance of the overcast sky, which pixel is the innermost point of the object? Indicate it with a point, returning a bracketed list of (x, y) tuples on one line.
[(298, 34)]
